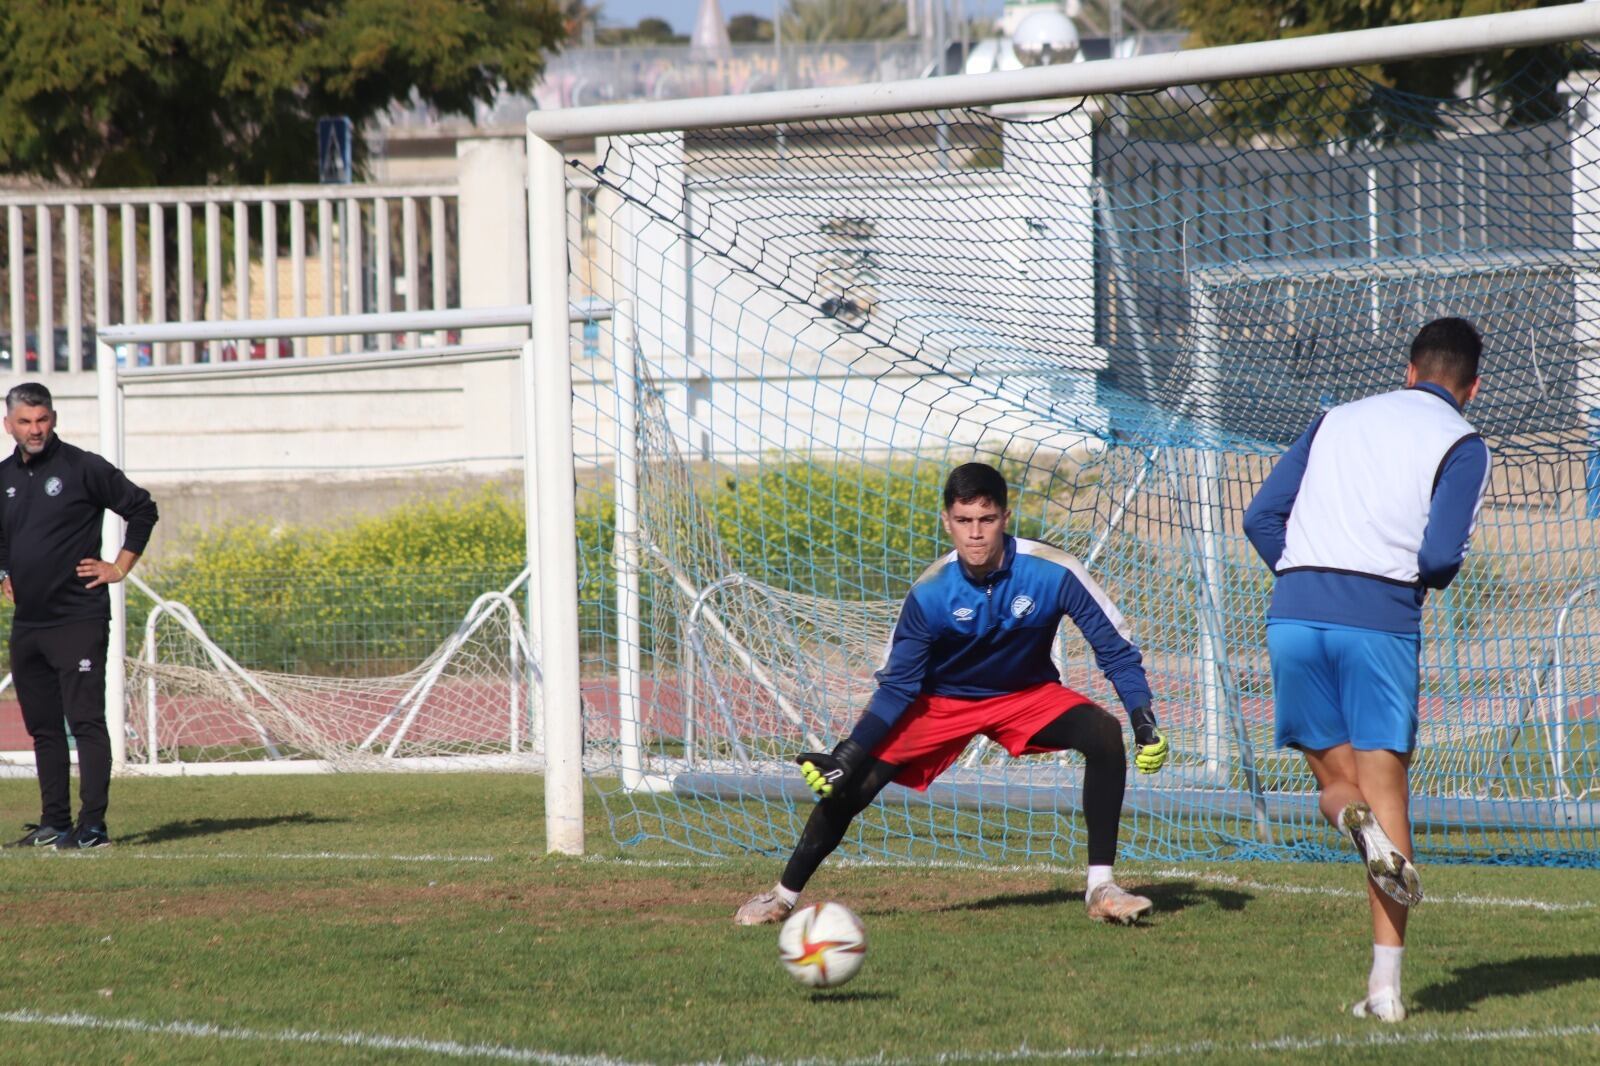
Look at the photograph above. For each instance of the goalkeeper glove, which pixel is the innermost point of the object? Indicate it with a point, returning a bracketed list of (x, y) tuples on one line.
[(829, 775), (1150, 747)]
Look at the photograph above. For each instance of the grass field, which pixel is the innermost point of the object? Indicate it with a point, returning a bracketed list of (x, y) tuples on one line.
[(415, 919)]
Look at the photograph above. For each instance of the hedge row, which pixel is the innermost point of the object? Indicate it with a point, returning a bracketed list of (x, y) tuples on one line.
[(380, 594)]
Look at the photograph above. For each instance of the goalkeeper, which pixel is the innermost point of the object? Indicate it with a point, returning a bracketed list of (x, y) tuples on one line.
[(971, 655)]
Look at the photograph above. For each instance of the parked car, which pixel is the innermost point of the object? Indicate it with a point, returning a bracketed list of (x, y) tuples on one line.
[(62, 350), (258, 350)]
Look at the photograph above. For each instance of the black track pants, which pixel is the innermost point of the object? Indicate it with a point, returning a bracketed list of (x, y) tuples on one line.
[(60, 674)]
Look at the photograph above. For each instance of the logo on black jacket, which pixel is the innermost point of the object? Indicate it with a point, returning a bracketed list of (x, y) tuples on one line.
[(52, 487), (1022, 607)]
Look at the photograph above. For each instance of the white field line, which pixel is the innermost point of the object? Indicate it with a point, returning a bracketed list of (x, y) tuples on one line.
[(1385, 1038), (368, 1041), (307, 856), (1171, 873)]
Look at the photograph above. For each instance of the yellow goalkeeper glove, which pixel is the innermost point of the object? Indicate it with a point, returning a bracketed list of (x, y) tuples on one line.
[(829, 775), (1150, 746)]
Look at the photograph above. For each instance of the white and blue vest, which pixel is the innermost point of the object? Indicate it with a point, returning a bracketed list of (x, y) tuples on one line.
[(1368, 488)]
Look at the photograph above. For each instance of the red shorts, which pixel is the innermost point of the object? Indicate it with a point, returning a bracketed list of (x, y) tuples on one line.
[(934, 730)]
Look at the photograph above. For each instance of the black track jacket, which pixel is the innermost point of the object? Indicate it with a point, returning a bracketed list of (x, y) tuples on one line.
[(51, 509)]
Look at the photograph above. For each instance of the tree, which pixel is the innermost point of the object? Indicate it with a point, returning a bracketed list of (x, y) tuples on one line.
[(192, 92), (579, 18), (649, 31), (749, 29), (1527, 80), (843, 20), (654, 31)]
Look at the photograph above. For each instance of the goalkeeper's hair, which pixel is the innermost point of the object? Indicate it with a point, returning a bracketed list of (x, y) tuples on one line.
[(1447, 351), (975, 481)]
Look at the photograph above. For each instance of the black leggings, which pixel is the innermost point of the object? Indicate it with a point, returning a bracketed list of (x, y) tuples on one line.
[(1088, 729)]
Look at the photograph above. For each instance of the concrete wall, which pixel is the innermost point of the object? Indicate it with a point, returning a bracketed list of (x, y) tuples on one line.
[(312, 449)]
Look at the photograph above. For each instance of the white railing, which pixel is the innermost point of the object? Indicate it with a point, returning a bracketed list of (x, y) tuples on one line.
[(77, 261)]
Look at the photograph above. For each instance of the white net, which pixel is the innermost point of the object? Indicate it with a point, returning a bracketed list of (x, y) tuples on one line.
[(1130, 305), (471, 703)]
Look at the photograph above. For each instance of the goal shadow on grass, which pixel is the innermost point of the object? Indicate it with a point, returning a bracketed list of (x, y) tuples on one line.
[(200, 827), (1473, 984), (1166, 897)]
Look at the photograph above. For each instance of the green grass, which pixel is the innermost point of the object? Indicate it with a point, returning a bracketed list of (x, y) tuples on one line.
[(215, 908)]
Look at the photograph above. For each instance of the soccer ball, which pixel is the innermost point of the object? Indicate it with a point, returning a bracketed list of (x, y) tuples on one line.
[(822, 945)]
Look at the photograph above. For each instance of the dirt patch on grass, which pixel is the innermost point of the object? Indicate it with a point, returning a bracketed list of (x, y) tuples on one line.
[(598, 895)]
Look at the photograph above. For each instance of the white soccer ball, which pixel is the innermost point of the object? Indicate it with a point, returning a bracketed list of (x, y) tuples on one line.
[(823, 945)]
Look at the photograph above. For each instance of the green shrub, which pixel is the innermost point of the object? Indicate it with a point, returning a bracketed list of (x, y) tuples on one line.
[(378, 595), (369, 597)]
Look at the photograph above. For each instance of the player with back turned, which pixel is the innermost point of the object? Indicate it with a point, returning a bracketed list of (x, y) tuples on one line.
[(970, 655), (1370, 508)]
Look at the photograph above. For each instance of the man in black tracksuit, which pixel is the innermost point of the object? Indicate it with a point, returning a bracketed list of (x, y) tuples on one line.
[(53, 499)]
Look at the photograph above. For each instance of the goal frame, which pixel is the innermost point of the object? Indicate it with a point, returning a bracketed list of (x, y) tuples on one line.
[(113, 381), (550, 358)]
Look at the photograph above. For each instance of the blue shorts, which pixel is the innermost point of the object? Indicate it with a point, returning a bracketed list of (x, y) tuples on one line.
[(1339, 685)]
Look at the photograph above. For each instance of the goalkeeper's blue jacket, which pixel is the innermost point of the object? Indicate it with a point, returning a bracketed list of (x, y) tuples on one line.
[(974, 639)]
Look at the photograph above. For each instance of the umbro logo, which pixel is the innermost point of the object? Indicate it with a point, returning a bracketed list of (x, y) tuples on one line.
[(11, 491), (962, 614), (84, 666)]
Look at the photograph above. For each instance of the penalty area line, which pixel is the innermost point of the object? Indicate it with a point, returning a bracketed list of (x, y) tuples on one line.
[(451, 1049), (130, 852)]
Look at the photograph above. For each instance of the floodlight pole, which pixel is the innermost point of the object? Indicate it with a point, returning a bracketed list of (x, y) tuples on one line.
[(550, 403)]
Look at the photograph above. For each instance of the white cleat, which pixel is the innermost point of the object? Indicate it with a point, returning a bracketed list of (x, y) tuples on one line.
[(1384, 1007), (1391, 871), (1112, 903), (763, 909)]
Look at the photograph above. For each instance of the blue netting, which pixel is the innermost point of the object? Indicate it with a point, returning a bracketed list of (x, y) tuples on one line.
[(1130, 304)]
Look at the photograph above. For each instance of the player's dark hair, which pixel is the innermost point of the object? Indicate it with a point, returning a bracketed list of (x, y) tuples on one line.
[(29, 394), (973, 481), (1447, 351)]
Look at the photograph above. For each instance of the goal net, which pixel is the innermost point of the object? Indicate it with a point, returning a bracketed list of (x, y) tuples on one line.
[(194, 708), (1131, 304), (351, 599)]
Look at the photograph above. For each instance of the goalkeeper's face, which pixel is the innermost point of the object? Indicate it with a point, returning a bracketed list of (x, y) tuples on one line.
[(978, 528)]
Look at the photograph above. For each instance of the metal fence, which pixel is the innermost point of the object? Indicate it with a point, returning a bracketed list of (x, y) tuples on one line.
[(76, 261)]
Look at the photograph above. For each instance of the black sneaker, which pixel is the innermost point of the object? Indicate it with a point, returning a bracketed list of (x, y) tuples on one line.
[(83, 838), (40, 836)]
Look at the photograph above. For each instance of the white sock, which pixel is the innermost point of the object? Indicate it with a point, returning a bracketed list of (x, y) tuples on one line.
[(1098, 875), (1385, 976), (787, 895)]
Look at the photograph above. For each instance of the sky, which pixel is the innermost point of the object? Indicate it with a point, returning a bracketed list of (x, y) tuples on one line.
[(681, 12)]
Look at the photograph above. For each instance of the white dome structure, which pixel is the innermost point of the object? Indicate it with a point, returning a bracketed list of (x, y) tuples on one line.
[(1044, 38)]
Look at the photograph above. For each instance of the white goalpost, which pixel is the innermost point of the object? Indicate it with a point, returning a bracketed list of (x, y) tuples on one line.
[(1128, 283), (473, 702)]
